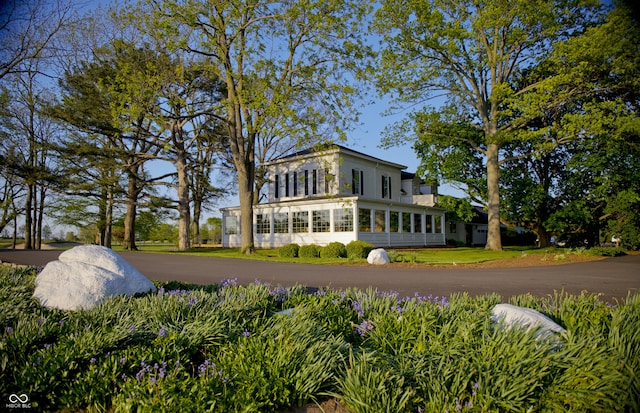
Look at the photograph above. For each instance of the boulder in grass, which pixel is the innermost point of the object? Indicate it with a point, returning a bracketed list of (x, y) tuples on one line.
[(378, 257), (84, 276), (512, 316)]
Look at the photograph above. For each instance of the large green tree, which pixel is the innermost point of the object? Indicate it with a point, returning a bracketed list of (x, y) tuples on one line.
[(278, 60), (471, 52), (585, 179)]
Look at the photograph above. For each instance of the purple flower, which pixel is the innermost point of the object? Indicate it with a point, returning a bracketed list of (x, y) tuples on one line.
[(357, 307), (280, 294), (364, 328), (9, 330), (162, 332), (93, 360), (140, 374), (246, 333), (227, 282), (123, 360)]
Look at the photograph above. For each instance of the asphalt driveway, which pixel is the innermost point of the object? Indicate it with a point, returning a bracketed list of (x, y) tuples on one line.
[(614, 278)]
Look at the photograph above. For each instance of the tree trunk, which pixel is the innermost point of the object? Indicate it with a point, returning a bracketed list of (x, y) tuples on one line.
[(544, 238), (14, 240), (494, 241), (130, 217), (102, 216), (184, 221), (108, 226), (197, 208), (245, 192), (27, 218), (43, 194)]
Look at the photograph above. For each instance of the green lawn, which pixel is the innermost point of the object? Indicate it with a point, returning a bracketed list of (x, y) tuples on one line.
[(434, 256)]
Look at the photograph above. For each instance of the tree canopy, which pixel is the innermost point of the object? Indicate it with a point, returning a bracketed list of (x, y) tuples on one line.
[(472, 52)]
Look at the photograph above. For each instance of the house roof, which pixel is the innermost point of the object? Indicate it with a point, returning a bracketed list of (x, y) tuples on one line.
[(322, 148)]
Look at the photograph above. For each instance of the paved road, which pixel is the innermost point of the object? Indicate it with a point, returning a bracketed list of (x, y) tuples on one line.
[(613, 277)]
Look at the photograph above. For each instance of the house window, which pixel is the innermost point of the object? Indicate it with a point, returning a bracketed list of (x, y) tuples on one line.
[(417, 223), (277, 187), (380, 221), (315, 181), (438, 220), (295, 183), (280, 223), (364, 219), (406, 222), (300, 221), (453, 228), (357, 182), (306, 182), (386, 187), (327, 180), (263, 224), (286, 185), (321, 221), (231, 225), (429, 225), (343, 220), (394, 220)]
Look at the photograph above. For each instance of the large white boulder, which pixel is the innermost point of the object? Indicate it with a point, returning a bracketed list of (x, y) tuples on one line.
[(378, 257), (86, 275), (511, 316)]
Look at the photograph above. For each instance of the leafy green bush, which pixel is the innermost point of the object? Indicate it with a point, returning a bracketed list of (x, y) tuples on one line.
[(608, 251), (334, 250), (358, 249), (309, 251), (289, 251)]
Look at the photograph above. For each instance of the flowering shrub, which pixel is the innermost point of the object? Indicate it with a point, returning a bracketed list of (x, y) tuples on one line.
[(231, 347)]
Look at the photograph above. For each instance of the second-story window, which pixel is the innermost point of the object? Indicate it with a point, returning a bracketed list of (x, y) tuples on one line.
[(327, 180), (386, 187), (295, 183), (277, 187), (357, 182), (315, 181), (286, 184), (306, 182)]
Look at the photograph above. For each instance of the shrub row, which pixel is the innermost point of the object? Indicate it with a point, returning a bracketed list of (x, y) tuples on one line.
[(353, 250)]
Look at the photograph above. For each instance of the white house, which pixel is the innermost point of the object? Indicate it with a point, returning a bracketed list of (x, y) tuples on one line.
[(338, 194)]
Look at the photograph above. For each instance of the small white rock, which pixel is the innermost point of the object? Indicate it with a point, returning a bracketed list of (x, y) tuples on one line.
[(511, 316), (378, 257)]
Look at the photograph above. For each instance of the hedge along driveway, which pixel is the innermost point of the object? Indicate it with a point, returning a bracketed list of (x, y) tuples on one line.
[(613, 277)]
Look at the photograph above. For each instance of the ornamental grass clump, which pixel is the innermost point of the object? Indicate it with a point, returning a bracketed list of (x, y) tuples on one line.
[(232, 347)]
